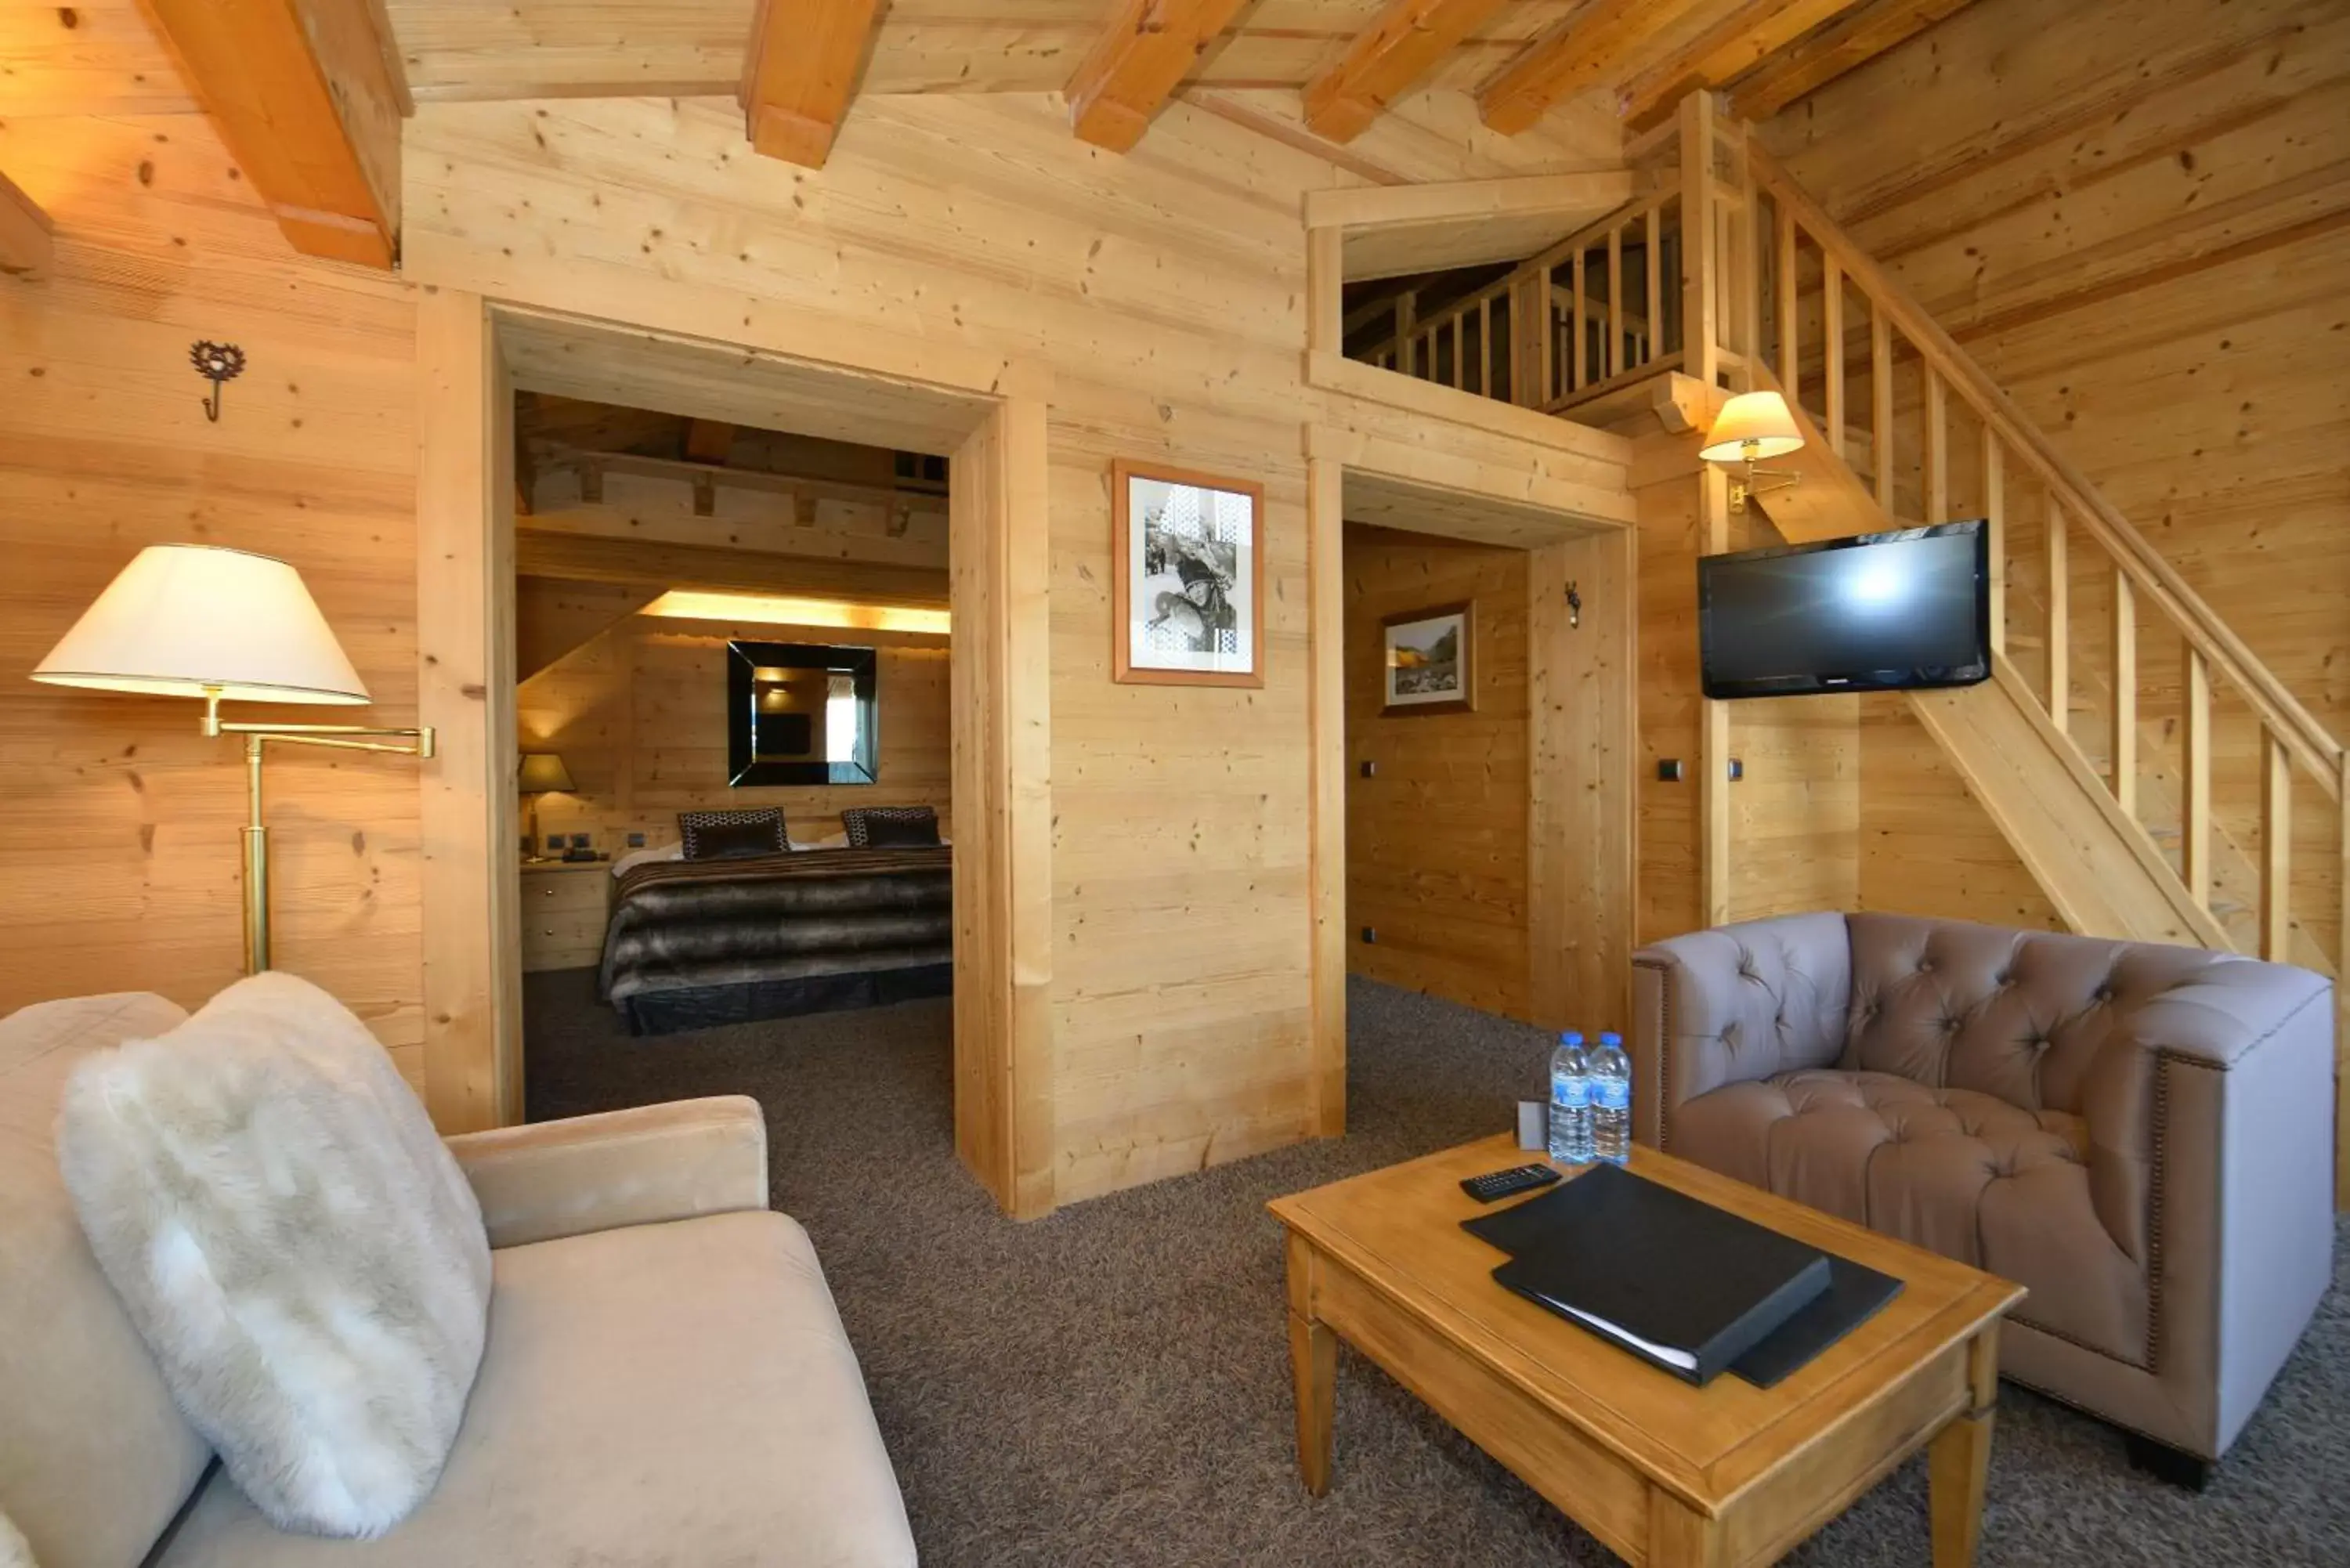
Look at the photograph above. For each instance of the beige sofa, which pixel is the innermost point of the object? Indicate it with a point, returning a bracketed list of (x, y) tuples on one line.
[(666, 1379), (2141, 1136)]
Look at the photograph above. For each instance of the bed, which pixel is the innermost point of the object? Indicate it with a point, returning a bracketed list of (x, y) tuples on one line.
[(695, 944)]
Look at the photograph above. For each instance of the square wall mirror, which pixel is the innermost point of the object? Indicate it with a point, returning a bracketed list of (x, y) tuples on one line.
[(801, 713)]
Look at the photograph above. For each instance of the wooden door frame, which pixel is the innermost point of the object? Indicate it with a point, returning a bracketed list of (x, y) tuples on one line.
[(990, 420), (1582, 734)]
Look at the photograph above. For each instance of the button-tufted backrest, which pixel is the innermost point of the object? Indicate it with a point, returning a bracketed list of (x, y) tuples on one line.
[(2018, 1015)]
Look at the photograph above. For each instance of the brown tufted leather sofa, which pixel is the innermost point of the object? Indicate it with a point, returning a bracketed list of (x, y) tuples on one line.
[(2141, 1136)]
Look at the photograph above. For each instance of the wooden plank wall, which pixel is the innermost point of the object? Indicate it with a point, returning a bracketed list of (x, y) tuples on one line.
[(1164, 294), (120, 838), (639, 715), (1435, 841), (2143, 231)]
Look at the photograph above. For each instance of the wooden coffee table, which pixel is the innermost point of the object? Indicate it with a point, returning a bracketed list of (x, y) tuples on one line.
[(1660, 1471)]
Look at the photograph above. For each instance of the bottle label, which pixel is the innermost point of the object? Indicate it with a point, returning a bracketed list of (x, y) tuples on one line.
[(1570, 1096), (1614, 1097)]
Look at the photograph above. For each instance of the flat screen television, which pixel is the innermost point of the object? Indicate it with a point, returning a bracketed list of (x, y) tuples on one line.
[(1876, 612)]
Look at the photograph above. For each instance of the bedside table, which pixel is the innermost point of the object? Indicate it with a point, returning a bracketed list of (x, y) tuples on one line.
[(565, 906)]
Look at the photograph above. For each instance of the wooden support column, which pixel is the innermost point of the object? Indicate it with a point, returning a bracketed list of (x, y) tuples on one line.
[(308, 95), (1326, 505), (27, 239), (805, 61), (1001, 678), (1700, 327), (466, 688), (1126, 78)]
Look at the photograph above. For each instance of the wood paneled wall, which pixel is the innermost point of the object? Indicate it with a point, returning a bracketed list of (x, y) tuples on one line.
[(1156, 298), (1435, 841), (1796, 816), (2137, 219), (1163, 292), (119, 852), (639, 715)]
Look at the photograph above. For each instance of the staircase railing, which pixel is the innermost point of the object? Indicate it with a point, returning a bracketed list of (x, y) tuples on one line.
[(1798, 315), (1598, 310)]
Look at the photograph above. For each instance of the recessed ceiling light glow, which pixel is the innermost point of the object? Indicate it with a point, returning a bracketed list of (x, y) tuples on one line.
[(776, 609)]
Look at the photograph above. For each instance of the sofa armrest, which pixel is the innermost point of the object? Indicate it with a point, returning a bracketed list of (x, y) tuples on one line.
[(1732, 1005), (2209, 1115), (636, 1166)]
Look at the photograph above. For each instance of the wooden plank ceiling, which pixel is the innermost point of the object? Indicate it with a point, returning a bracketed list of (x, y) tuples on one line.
[(310, 93), (1120, 59)]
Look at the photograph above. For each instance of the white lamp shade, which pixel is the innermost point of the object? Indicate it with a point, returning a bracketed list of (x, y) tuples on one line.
[(1760, 418), (190, 621)]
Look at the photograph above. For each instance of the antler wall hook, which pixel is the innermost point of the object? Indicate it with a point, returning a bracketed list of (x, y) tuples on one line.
[(1574, 609), (219, 363)]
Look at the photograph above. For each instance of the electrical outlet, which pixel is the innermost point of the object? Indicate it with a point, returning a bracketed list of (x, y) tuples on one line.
[(579, 841), (1370, 770), (1371, 934), (1669, 771), (635, 841)]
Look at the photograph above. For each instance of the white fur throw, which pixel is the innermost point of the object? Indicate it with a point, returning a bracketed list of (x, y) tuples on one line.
[(14, 1553), (295, 1244)]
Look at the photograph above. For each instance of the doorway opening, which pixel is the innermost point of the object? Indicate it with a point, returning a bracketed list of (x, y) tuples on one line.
[(662, 530)]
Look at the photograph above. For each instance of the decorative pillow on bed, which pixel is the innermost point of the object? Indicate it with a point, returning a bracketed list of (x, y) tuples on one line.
[(14, 1553), (733, 834), (892, 826), (295, 1244)]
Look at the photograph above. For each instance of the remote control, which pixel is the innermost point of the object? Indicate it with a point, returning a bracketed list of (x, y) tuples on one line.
[(1496, 1184)]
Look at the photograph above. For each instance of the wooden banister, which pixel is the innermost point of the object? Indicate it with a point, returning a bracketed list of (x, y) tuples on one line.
[(1949, 368)]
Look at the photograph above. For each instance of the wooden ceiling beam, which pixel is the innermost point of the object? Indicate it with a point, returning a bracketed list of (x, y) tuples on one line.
[(308, 97), (1592, 47), (584, 558), (1401, 47), (1826, 55), (708, 441), (1740, 39), (1136, 63), (27, 238), (805, 59)]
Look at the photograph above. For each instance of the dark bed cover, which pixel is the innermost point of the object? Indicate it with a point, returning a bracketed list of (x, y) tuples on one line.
[(689, 925)]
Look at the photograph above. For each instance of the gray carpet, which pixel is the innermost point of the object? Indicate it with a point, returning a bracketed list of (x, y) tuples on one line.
[(1111, 1384)]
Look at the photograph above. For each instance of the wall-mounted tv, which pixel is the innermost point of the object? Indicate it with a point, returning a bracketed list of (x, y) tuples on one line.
[(1876, 612)]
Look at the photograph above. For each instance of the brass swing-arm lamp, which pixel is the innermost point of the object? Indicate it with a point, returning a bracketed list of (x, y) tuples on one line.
[(1752, 428), (200, 620)]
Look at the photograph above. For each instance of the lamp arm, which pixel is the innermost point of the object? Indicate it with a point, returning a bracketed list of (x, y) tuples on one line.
[(341, 737)]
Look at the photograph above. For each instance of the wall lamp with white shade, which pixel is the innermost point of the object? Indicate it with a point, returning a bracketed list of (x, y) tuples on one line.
[(1753, 427), (201, 620)]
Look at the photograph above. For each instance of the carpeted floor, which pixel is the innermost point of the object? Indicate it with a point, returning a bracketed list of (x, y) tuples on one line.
[(1111, 1384)]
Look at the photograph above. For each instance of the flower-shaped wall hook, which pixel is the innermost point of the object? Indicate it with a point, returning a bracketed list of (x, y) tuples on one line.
[(219, 363)]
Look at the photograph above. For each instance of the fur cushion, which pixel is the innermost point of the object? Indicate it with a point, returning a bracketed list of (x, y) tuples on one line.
[(294, 1243), (13, 1551)]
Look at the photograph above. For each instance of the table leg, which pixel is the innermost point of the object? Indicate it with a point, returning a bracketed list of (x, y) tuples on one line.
[(1313, 1363), (1959, 1463)]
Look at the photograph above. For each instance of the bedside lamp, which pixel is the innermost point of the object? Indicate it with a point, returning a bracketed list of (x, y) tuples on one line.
[(201, 620), (543, 772), (1754, 427)]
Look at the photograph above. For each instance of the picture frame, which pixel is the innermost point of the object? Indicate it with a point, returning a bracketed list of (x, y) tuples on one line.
[(1416, 676), (1187, 578)]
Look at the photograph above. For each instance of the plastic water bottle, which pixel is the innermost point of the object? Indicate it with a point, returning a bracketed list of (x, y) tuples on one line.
[(1611, 1100), (1570, 1102)]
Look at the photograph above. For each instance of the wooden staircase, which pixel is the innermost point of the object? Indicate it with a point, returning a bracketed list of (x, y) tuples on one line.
[(2208, 809)]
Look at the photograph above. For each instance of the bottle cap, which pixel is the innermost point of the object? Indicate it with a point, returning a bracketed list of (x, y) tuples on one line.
[(1571, 1037), (1609, 1037)]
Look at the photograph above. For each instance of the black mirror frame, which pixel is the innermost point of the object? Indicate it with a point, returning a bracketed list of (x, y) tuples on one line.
[(742, 764)]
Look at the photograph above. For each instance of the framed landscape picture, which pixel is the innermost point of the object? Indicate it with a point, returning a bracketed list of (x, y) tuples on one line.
[(1431, 661), (1188, 578)]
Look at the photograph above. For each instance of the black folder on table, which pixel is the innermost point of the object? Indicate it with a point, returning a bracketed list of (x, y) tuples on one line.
[(1687, 1287)]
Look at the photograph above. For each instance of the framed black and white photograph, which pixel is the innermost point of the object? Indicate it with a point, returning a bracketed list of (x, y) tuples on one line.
[(1188, 583), (1430, 656)]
